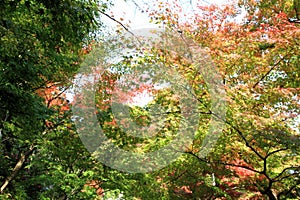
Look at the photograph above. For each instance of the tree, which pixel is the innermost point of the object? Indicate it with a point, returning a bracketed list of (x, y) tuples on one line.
[(257, 153), (256, 156), (258, 59), (41, 44)]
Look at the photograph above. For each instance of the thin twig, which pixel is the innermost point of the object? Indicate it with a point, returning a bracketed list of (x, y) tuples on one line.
[(117, 21), (272, 68), (226, 164)]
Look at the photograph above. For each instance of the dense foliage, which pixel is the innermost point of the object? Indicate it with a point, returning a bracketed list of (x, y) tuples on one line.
[(256, 156), (41, 44)]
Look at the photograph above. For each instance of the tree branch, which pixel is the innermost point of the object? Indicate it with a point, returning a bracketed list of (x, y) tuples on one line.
[(57, 96), (245, 140), (287, 176), (137, 5), (17, 168), (276, 151), (225, 164), (297, 21), (272, 68), (118, 22), (285, 192), (277, 178)]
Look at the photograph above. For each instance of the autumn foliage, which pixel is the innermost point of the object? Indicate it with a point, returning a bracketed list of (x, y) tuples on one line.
[(255, 47)]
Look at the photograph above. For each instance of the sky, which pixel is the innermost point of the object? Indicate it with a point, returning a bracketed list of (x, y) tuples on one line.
[(131, 15), (129, 11)]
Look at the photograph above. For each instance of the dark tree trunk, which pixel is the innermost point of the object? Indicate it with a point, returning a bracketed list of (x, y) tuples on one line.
[(270, 194)]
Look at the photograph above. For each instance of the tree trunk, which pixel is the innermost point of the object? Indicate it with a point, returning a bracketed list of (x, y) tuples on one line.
[(17, 168), (270, 194)]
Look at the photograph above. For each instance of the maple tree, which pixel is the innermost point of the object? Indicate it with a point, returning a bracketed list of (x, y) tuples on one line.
[(256, 156)]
